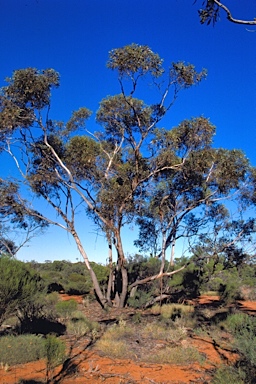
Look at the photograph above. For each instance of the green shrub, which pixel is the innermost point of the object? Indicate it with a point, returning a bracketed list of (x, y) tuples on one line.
[(228, 374), (49, 305), (21, 349), (214, 284), (139, 299), (19, 286), (79, 325), (66, 308), (245, 341), (54, 353), (52, 298), (77, 284), (236, 322), (229, 292), (243, 328)]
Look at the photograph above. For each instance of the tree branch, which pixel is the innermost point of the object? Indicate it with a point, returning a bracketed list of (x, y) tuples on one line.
[(231, 18)]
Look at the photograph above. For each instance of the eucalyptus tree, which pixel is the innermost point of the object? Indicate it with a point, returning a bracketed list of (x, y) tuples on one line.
[(68, 165), (127, 166), (204, 202)]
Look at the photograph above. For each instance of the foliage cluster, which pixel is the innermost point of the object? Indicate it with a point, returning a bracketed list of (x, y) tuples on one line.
[(243, 329), (19, 289), (21, 349), (72, 278)]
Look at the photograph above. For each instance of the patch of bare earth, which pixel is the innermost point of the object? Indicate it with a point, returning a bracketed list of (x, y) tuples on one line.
[(87, 365)]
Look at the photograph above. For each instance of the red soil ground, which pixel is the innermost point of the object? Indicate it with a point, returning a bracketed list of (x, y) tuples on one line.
[(91, 368)]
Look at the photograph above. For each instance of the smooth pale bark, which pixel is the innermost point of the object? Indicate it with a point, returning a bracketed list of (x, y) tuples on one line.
[(122, 270), (111, 275), (102, 299)]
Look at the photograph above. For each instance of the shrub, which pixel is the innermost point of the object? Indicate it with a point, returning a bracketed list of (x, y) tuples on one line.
[(172, 311), (243, 328), (180, 355), (18, 287), (236, 322), (66, 308), (140, 299), (113, 343), (123, 341), (21, 349), (230, 288), (49, 305), (245, 341), (228, 374), (54, 353), (155, 331), (79, 325)]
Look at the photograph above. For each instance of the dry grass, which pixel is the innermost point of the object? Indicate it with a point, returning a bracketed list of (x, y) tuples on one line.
[(152, 342), (179, 355), (169, 311), (113, 343), (79, 325)]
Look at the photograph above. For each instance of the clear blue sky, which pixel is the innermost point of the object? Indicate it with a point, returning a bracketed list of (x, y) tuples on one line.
[(75, 36)]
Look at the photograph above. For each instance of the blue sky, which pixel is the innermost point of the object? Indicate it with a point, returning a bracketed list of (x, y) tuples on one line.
[(75, 36)]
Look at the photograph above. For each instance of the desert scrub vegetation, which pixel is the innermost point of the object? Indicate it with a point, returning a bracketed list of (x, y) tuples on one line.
[(65, 309), (242, 327), (178, 355), (227, 374), (166, 344), (174, 314), (79, 325), (114, 342), (54, 349), (171, 311), (21, 349)]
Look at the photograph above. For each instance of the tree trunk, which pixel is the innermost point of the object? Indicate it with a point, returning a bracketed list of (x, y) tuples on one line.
[(172, 253), (163, 253), (123, 295), (122, 271), (96, 286), (111, 275)]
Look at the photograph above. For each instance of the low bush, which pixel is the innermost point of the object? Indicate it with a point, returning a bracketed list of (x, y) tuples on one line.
[(79, 325), (54, 354), (65, 309), (140, 299), (179, 355), (228, 374), (236, 322), (243, 328), (172, 311), (167, 344), (230, 291), (54, 350), (158, 331), (21, 349), (114, 344)]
